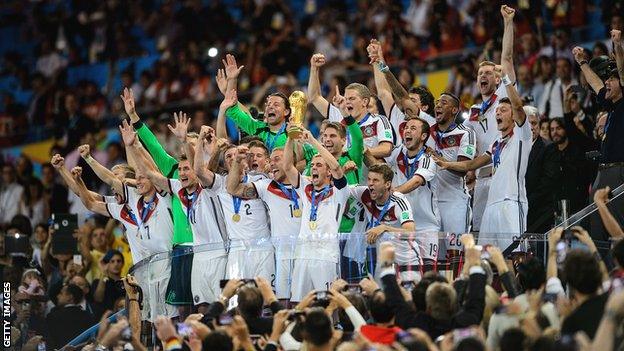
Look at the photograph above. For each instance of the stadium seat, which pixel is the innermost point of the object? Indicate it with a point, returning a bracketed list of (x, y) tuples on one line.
[(97, 73)]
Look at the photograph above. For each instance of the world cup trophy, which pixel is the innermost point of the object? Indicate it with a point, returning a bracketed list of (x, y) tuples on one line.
[(298, 105)]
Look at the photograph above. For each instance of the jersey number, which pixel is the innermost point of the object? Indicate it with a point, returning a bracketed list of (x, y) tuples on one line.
[(433, 249), (248, 209), (454, 240)]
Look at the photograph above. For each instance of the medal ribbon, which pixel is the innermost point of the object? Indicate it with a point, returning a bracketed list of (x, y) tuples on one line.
[(440, 135), (410, 169), (271, 139), (191, 199), (375, 221), (500, 145), (315, 203), (292, 194), (236, 201), (485, 105)]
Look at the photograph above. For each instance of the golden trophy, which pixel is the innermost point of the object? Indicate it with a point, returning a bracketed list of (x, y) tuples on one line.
[(298, 106)]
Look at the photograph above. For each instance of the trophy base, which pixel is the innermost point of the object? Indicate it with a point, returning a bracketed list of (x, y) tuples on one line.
[(295, 132)]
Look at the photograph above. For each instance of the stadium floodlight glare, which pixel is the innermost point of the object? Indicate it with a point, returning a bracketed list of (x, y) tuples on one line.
[(465, 115), (212, 52)]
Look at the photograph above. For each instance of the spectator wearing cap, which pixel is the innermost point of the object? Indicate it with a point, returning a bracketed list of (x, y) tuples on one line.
[(67, 320), (606, 78), (108, 288)]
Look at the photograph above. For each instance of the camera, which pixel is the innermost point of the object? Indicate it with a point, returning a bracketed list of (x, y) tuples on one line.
[(184, 330), (354, 288), (126, 334), (225, 319), (294, 314)]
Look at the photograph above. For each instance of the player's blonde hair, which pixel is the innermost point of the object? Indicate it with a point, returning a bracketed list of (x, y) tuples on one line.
[(361, 89)]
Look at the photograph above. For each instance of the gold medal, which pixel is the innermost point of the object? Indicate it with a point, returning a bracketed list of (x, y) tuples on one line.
[(236, 217), (313, 225), (297, 212)]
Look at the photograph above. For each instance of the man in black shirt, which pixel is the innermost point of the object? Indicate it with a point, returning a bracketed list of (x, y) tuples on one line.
[(68, 319), (606, 79), (582, 273)]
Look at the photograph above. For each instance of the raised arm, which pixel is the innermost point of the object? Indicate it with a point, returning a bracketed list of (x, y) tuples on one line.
[(333, 164), (160, 181), (383, 89), (234, 185), (289, 162), (165, 162), (463, 166), (90, 203), (314, 85), (517, 109), (205, 175), (230, 99), (102, 172), (592, 78), (508, 14), (134, 150), (232, 71), (618, 49)]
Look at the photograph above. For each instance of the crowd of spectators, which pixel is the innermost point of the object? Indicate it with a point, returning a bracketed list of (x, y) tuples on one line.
[(73, 58)]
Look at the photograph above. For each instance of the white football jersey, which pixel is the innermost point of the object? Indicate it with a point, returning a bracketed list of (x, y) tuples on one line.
[(508, 178), (320, 241), (375, 128), (397, 120), (398, 212), (451, 144), (204, 213), (281, 208), (155, 219), (482, 120), (424, 199), (124, 214), (253, 223)]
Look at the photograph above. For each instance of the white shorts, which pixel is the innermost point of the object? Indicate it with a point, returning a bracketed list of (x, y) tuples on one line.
[(283, 275), (455, 216), (481, 191), (208, 271), (153, 279), (429, 244), (311, 275), (246, 264), (502, 223)]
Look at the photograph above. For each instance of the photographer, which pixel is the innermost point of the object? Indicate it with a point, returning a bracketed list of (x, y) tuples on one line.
[(606, 79)]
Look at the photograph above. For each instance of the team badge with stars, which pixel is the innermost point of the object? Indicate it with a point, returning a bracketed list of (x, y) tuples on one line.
[(450, 141), (368, 131)]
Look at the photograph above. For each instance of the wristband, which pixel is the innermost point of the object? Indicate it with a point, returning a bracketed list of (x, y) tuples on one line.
[(506, 80), (88, 159), (582, 62), (383, 67)]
